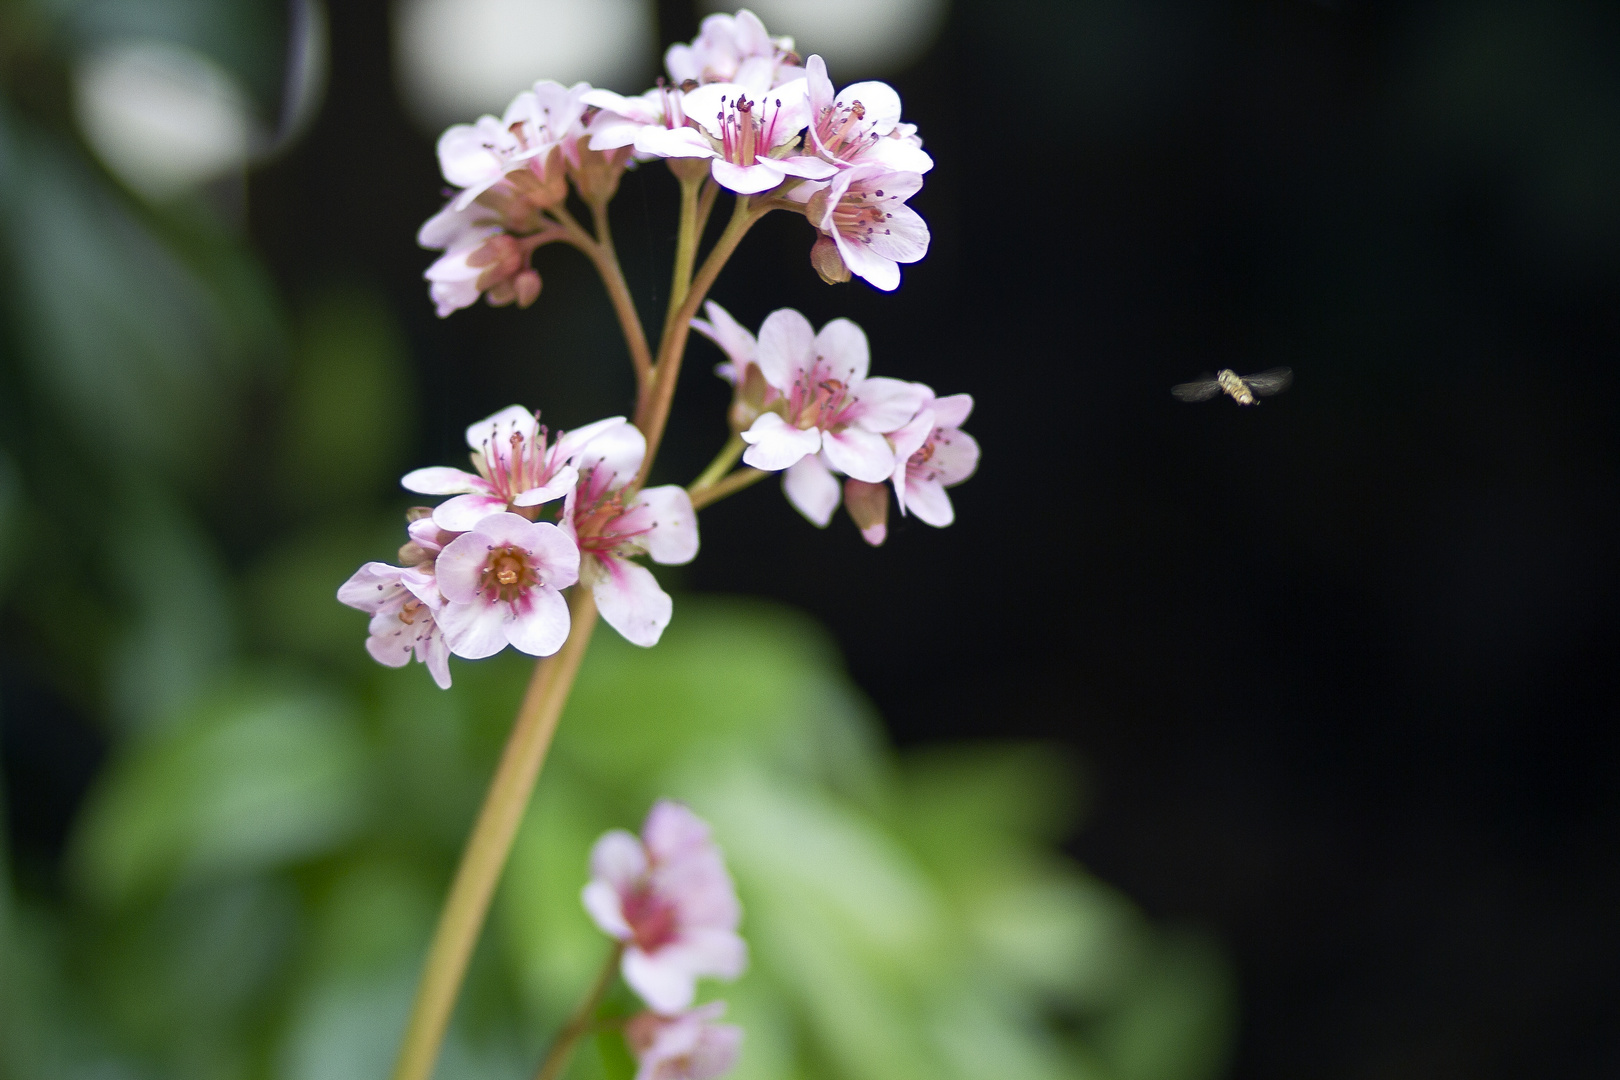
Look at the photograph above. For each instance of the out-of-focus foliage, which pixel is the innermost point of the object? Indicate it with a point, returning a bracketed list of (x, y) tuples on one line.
[(251, 883)]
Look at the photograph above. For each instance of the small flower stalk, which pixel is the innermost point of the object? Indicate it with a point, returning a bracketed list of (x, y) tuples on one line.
[(544, 530)]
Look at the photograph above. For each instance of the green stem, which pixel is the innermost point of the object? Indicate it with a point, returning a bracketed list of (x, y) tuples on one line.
[(653, 414), (686, 245), (713, 493), (580, 1023), (491, 842), (723, 461)]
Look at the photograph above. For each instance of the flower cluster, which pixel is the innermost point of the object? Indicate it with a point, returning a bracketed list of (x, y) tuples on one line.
[(806, 407), (482, 571), (667, 898), (736, 102)]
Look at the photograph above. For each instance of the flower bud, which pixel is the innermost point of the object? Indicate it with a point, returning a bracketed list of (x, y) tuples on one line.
[(868, 506), (598, 173), (828, 262)]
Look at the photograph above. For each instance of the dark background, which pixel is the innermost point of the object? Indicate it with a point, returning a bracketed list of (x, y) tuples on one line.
[(1338, 669)]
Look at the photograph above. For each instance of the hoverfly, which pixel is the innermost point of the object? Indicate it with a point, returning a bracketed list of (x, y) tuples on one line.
[(1243, 388)]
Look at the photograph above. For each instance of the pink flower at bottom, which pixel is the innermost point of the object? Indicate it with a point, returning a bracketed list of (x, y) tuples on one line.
[(668, 898), (688, 1046), (501, 583)]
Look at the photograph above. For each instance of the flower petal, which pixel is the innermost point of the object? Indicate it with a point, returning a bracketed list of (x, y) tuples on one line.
[(630, 600), (500, 427), (474, 631), (673, 540), (956, 456), (539, 623), (556, 488), (727, 333), (787, 346), (371, 586), (681, 142), (442, 480), (883, 404), (748, 179), (464, 512), (879, 272), (613, 454), (929, 503), (880, 101), (603, 905), (666, 987), (865, 455), (774, 444), (619, 859), (811, 488), (842, 346)]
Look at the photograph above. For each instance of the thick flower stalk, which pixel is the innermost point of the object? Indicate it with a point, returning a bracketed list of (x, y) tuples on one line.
[(548, 529)]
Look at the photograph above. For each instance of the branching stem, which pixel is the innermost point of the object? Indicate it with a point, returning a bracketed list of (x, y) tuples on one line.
[(735, 482)]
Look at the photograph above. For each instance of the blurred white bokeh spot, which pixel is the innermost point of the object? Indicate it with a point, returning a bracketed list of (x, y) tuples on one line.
[(457, 59), (857, 38), (161, 116)]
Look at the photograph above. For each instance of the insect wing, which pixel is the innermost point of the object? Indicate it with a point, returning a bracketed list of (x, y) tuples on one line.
[(1266, 383), (1202, 390)]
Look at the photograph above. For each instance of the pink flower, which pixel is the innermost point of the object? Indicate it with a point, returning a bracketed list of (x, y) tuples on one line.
[(668, 898), (474, 157), (931, 454), (654, 124), (734, 49), (688, 1046), (828, 405), (658, 522), (479, 256), (864, 210), (516, 468), (855, 126), (748, 135), (402, 600), (501, 581)]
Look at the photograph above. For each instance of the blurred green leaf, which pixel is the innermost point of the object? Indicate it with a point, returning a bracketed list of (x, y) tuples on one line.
[(259, 774)]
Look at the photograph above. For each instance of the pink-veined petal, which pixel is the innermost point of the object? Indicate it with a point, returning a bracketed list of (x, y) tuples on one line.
[(774, 444), (673, 539), (748, 179), (907, 441), (956, 456), (555, 488), (464, 512), (929, 503), (370, 586), (499, 428), (570, 443), (630, 600), (474, 631), (865, 455), (787, 346), (904, 236), (879, 272), (883, 404), (880, 101), (615, 453), (457, 569), (541, 627), (705, 104), (812, 489), (842, 346), (442, 480), (952, 410)]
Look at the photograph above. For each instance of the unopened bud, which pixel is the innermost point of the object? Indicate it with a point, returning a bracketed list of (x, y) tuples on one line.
[(868, 506), (417, 513), (527, 287), (412, 554), (828, 262)]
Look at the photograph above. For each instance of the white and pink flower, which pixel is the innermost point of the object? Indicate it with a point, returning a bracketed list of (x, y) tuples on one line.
[(612, 530), (401, 602), (668, 898), (653, 124), (479, 257), (687, 1046), (863, 209), (751, 135), (517, 464), (857, 124), (735, 49), (829, 409), (933, 453), (474, 157), (501, 582)]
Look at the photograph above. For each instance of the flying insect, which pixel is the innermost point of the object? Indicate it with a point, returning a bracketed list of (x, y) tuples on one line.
[(1245, 389)]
